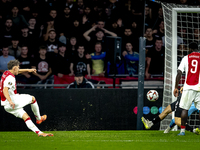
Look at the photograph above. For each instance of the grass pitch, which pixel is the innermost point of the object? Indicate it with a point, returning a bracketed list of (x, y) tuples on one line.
[(99, 140)]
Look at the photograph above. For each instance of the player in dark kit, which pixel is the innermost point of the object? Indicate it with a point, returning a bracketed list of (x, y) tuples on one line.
[(176, 121)]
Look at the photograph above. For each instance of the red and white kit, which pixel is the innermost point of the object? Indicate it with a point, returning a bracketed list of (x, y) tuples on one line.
[(191, 90), (20, 100)]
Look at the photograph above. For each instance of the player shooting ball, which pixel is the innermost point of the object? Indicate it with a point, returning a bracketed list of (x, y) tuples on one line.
[(13, 103)]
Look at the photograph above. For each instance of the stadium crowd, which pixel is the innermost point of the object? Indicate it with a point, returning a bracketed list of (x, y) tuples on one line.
[(62, 37)]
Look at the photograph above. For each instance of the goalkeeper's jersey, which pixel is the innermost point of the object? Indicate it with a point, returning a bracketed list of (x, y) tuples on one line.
[(190, 64)]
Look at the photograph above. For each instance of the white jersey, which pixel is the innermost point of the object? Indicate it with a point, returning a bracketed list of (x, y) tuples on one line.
[(191, 65), (10, 82)]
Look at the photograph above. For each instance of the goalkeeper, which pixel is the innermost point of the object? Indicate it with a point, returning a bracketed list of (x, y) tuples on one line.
[(177, 121)]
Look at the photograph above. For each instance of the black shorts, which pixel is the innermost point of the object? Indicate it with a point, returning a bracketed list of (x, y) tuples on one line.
[(175, 107)]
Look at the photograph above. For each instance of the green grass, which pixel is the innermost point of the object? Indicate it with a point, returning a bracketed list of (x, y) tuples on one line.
[(96, 140)]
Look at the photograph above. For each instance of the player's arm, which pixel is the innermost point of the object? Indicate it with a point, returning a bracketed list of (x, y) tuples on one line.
[(27, 70), (178, 77), (7, 96)]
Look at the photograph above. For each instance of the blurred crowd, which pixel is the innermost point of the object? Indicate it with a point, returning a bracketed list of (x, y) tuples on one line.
[(62, 37)]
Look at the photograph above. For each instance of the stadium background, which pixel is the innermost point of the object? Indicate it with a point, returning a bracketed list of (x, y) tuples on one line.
[(85, 109)]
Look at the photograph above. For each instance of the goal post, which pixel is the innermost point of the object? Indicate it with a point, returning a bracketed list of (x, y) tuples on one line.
[(177, 18)]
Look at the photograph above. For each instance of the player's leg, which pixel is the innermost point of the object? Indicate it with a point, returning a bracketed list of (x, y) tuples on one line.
[(171, 125), (186, 101), (197, 105), (148, 124), (36, 111), (32, 126)]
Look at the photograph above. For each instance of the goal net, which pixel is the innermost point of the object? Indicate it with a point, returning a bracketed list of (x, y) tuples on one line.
[(181, 28)]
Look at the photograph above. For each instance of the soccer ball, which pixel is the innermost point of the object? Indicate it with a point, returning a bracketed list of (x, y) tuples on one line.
[(152, 95)]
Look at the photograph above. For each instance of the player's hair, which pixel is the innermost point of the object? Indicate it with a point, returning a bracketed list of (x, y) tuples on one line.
[(13, 63)]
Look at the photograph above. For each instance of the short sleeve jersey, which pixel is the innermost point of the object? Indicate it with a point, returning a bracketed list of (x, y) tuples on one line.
[(7, 80), (191, 65)]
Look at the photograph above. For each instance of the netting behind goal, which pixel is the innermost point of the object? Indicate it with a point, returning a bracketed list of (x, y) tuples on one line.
[(181, 28)]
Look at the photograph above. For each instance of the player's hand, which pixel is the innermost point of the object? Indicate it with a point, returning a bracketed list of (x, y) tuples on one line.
[(175, 92), (12, 105), (181, 90), (32, 70)]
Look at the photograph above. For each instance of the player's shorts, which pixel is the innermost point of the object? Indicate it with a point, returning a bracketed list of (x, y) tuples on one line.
[(20, 100), (189, 96), (175, 107)]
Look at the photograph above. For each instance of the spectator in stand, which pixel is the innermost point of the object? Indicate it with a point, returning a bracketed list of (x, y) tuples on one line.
[(182, 33), (65, 23), (116, 29), (49, 26), (129, 37), (7, 32), (155, 59), (43, 66), (182, 51), (14, 49), (76, 30), (160, 32), (53, 14), (25, 62), (80, 82), (150, 39), (99, 36), (70, 4), (72, 47), (158, 18), (196, 33), (148, 16), (52, 43), (79, 63), (4, 8), (98, 58), (25, 6), (25, 37), (87, 18), (4, 59), (18, 19), (131, 60), (61, 64), (33, 31), (80, 6)]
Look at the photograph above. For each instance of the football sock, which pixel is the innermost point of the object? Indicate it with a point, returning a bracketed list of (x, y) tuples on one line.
[(156, 120), (189, 128), (31, 126), (172, 123), (35, 109), (182, 128)]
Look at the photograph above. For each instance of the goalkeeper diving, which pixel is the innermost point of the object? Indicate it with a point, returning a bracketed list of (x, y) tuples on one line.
[(177, 119)]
